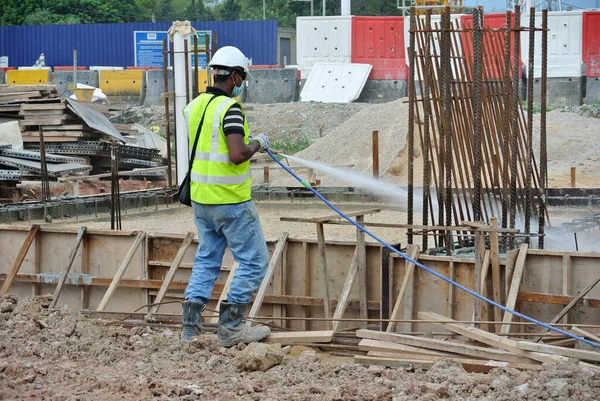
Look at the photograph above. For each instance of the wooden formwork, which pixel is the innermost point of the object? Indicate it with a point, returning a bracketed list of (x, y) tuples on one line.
[(550, 279)]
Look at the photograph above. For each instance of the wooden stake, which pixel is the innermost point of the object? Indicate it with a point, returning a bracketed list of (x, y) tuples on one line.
[(495, 259), (324, 271), (376, 155), (573, 177), (171, 273), (223, 296), (115, 282), (570, 306), (343, 300), (514, 288), (65, 274), (406, 288), (361, 257), (20, 258), (260, 294)]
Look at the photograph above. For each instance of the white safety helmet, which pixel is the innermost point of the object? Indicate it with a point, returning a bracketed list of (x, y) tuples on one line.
[(229, 56)]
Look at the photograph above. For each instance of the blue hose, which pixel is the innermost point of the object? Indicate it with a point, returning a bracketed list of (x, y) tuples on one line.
[(406, 257)]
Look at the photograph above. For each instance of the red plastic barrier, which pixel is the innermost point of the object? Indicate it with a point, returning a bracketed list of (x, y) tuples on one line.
[(493, 57), (7, 68), (591, 42), (67, 68), (379, 41)]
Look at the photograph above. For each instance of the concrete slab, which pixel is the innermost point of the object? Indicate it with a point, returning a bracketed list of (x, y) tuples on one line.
[(592, 90), (155, 86), (64, 81), (561, 91), (273, 85), (383, 91)]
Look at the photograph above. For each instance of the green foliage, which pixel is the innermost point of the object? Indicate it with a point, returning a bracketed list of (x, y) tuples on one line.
[(537, 108), (291, 144)]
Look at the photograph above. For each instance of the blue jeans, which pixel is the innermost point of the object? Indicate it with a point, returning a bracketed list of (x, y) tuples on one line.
[(236, 226)]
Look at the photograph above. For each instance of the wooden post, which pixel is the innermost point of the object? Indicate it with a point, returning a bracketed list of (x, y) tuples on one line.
[(406, 291), (573, 177), (85, 269), (324, 272), (37, 263), (479, 254), (187, 240), (343, 299), (361, 252), (266, 174), (306, 285), (376, 155), (495, 259), (65, 274), (215, 318), (567, 281), (260, 294), (20, 258), (115, 282), (514, 288)]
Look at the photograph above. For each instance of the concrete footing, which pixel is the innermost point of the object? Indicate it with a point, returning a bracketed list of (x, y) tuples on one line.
[(560, 91), (64, 80), (383, 91), (592, 90), (274, 85), (155, 86)]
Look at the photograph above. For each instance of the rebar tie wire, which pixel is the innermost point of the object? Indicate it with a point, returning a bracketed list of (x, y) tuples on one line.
[(427, 269)]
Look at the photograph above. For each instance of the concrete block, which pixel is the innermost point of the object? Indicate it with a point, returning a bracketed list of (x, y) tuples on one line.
[(2, 77), (155, 86), (122, 83), (383, 91), (64, 80), (273, 85), (560, 91), (592, 90)]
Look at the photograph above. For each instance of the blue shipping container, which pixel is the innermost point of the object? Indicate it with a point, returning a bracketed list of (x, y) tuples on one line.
[(113, 44)]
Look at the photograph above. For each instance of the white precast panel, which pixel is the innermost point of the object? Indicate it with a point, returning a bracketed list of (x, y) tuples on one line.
[(565, 30), (435, 24), (335, 82), (323, 39)]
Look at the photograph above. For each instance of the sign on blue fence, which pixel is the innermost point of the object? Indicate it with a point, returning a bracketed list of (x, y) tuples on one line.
[(148, 48)]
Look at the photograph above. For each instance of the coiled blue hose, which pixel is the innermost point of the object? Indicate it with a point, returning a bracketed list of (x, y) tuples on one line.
[(406, 257)]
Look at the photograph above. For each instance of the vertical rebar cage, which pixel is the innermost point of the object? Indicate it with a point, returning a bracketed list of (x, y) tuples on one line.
[(476, 137)]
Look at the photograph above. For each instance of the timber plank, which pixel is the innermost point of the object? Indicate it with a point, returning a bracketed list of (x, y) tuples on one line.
[(514, 288), (277, 252), (554, 350), (351, 214), (343, 301), (223, 297), (297, 337), (408, 281), (489, 338), (585, 334), (444, 346), (20, 258), (386, 346)]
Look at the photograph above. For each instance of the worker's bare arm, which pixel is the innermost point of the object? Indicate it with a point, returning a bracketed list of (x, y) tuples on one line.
[(239, 152)]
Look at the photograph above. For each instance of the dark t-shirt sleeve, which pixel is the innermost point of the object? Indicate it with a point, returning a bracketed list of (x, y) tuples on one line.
[(233, 122)]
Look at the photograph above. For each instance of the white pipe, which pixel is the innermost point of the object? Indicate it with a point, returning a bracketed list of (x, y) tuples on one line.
[(181, 134), (346, 7)]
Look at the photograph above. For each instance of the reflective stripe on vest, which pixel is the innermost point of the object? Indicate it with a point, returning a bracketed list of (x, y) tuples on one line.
[(214, 178)]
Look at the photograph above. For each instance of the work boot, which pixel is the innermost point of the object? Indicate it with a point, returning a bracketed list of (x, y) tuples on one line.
[(231, 329), (191, 322)]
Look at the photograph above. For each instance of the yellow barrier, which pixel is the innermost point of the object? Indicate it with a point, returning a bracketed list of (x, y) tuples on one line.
[(121, 82), (202, 78), (27, 77)]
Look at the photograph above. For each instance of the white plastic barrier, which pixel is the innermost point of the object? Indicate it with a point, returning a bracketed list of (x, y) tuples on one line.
[(565, 58), (323, 39)]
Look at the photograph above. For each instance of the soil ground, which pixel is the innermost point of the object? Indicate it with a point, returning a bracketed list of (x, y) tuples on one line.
[(60, 355)]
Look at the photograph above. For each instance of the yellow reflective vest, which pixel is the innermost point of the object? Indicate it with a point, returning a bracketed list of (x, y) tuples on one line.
[(215, 180)]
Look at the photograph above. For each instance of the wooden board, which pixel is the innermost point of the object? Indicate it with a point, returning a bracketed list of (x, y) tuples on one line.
[(386, 346), (554, 350), (444, 346), (514, 288), (298, 337)]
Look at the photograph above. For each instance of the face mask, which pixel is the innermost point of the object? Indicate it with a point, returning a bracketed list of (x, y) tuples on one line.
[(237, 90)]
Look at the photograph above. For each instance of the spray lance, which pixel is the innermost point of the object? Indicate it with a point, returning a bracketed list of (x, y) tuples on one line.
[(420, 265)]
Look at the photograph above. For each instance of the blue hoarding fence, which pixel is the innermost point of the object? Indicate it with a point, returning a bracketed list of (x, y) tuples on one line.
[(112, 44)]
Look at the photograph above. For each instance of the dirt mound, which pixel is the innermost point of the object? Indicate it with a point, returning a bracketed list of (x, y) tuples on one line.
[(62, 355)]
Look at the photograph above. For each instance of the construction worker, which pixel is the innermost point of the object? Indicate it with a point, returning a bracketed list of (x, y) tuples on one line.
[(223, 211)]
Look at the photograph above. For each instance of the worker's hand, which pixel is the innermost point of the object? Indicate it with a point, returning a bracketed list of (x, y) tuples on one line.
[(262, 140)]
